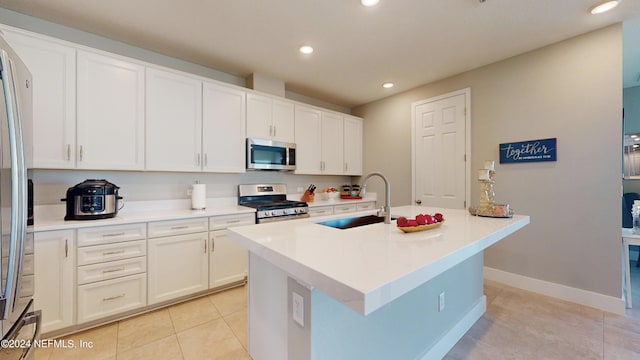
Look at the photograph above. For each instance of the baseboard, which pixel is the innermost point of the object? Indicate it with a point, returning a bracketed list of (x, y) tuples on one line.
[(449, 340), (583, 297)]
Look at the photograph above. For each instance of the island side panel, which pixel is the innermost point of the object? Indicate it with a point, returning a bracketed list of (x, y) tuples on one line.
[(267, 306), (410, 327)]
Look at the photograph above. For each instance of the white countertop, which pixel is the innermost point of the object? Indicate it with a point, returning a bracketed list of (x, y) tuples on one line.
[(51, 217), (369, 266)]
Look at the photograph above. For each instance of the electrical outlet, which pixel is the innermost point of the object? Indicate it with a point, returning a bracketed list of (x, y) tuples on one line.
[(441, 301), (298, 308)]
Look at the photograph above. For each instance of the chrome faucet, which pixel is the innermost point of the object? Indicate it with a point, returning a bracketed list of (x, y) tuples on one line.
[(386, 211)]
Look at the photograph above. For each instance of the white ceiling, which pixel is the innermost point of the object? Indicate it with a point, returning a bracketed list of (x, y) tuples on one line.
[(408, 42)]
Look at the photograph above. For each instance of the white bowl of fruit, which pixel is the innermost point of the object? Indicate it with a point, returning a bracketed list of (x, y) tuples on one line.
[(420, 222), (330, 193)]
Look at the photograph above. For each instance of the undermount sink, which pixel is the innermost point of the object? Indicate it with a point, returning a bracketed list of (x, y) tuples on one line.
[(349, 223)]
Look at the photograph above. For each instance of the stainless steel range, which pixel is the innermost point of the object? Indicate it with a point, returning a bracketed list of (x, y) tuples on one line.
[(270, 202)]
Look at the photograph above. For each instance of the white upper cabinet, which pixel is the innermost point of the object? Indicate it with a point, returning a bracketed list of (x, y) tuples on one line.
[(308, 134), (174, 122), (110, 118), (352, 145), (53, 68), (332, 143), (270, 118), (223, 128)]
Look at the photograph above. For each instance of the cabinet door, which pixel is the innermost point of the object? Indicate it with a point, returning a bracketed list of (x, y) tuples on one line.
[(308, 135), (352, 146), (110, 123), (223, 128), (52, 66), (174, 122), (259, 116), (55, 278), (332, 144), (282, 119), (228, 260), (177, 266)]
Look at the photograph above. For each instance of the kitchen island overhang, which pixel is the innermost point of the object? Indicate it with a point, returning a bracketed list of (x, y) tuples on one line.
[(365, 269)]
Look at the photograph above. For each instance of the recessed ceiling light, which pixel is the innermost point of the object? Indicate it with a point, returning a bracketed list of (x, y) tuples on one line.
[(604, 6), (369, 2), (306, 49), (387, 85)]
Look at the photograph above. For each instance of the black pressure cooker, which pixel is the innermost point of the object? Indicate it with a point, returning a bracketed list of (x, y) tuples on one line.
[(92, 199)]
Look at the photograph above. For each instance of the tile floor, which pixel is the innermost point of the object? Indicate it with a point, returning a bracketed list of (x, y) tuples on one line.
[(517, 325)]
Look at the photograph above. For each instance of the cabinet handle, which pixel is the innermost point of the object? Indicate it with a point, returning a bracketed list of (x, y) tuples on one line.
[(213, 245), (274, 130), (112, 270), (113, 234), (205, 246), (206, 160), (81, 152), (113, 297), (66, 248), (113, 252), (178, 227), (233, 221), (346, 166), (68, 152), (270, 130)]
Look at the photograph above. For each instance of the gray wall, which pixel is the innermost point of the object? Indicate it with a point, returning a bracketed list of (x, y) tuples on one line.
[(572, 91)]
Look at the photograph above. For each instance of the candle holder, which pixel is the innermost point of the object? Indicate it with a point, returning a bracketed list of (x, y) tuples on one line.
[(488, 206)]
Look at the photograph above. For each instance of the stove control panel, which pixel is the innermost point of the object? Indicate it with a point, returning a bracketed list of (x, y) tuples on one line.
[(282, 212)]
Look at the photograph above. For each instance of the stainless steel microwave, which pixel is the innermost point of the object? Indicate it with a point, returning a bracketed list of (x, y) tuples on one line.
[(270, 155)]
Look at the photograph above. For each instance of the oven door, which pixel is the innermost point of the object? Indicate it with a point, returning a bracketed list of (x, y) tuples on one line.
[(21, 339), (270, 155)]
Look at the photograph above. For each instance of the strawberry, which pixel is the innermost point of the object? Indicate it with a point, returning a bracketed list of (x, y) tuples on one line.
[(429, 219), (412, 223), (402, 221), (421, 219), (439, 217)]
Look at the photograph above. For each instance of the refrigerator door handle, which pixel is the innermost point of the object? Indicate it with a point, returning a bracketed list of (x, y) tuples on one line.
[(34, 317), (16, 242)]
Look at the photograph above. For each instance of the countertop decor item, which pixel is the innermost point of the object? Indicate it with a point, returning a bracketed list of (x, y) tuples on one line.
[(488, 206)]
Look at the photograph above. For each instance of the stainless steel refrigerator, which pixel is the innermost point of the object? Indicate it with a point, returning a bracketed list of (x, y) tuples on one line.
[(20, 324)]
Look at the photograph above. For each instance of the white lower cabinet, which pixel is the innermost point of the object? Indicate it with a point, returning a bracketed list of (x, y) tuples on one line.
[(178, 266), (55, 278), (340, 208), (111, 297), (227, 259), (111, 273)]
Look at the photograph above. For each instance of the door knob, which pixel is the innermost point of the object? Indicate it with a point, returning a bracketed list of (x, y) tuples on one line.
[(418, 201)]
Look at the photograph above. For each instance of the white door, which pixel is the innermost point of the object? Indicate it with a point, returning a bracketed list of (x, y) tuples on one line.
[(228, 260), (332, 144), (440, 170)]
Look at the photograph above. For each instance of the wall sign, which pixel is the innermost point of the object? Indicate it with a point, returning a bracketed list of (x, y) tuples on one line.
[(528, 151)]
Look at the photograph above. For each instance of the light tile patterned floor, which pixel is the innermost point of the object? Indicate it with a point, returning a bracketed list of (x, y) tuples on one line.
[(517, 325)]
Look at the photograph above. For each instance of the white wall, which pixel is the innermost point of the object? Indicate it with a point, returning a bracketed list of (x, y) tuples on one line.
[(571, 91)]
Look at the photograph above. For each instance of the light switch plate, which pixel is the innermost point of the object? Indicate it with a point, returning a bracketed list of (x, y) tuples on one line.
[(298, 308)]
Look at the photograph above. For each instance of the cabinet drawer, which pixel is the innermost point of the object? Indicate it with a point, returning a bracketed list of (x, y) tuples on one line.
[(178, 227), (111, 234), (225, 221), (111, 270), (339, 209), (321, 211), (101, 253), (111, 297), (366, 206)]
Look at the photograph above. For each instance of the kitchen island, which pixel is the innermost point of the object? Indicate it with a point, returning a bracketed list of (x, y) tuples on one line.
[(370, 292)]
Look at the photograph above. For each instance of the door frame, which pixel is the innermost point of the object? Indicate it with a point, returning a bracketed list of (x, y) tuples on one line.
[(467, 125)]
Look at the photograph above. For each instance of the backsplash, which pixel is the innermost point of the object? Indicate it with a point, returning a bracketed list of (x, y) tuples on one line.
[(51, 185)]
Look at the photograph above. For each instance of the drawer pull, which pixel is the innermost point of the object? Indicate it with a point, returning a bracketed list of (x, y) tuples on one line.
[(179, 227), (66, 248), (113, 297), (233, 221), (114, 234), (113, 252), (112, 270)]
